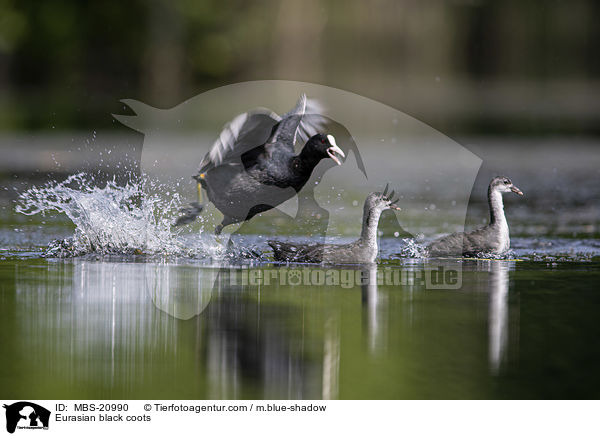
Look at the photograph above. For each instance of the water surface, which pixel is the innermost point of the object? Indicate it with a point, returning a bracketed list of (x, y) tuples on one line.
[(137, 310)]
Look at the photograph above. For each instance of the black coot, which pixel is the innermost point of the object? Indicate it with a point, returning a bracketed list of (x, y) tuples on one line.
[(253, 167)]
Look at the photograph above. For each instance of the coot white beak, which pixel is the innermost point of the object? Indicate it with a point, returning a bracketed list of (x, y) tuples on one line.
[(334, 150), (516, 190)]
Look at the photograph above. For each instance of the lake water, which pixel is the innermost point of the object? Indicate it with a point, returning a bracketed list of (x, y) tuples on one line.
[(133, 310)]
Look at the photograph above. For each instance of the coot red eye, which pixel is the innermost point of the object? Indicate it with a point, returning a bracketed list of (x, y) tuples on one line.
[(322, 141)]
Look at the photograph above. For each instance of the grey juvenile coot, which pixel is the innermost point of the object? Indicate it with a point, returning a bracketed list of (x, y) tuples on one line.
[(493, 238), (252, 166), (363, 250)]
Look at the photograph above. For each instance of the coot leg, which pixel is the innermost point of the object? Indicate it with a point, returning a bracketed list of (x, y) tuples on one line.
[(199, 193)]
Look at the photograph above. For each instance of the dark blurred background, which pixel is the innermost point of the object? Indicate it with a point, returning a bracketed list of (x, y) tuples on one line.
[(515, 67)]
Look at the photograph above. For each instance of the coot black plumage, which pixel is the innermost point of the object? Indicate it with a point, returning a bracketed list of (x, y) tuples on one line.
[(363, 250), (493, 238), (253, 167)]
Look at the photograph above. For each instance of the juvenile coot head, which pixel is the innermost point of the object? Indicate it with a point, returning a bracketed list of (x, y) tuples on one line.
[(381, 201), (504, 184), (322, 146)]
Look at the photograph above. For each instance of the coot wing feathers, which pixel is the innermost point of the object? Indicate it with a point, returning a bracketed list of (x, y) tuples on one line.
[(299, 124), (244, 133), (261, 130)]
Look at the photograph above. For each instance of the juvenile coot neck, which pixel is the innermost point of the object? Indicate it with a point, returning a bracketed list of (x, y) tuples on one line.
[(498, 223), (371, 213), (496, 204), (497, 218), (368, 235)]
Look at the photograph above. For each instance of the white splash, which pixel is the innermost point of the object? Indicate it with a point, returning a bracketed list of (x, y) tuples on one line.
[(110, 219), (412, 249)]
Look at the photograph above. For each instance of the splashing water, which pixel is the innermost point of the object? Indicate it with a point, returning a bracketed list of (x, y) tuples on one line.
[(110, 219), (412, 249)]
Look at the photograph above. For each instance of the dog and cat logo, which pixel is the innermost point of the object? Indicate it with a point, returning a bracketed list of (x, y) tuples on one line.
[(26, 415)]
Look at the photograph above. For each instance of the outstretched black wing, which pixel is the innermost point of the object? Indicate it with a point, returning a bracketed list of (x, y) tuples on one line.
[(242, 134), (254, 132), (299, 124)]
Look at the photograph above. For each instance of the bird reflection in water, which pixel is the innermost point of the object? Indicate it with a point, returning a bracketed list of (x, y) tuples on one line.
[(264, 347), (498, 318), (130, 325), (372, 308)]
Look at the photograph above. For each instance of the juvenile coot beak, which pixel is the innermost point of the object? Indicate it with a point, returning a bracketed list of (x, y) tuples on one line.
[(390, 197), (334, 150), (516, 190)]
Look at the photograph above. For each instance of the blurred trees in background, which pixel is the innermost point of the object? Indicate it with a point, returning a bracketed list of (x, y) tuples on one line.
[(475, 67)]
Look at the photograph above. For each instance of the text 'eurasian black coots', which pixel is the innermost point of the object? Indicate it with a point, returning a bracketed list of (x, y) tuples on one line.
[(252, 166)]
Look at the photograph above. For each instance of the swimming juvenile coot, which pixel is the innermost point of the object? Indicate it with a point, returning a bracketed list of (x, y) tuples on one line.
[(363, 250), (252, 167), (493, 238)]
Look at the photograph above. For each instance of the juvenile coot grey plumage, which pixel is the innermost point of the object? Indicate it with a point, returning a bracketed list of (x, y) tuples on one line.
[(363, 250), (493, 238), (253, 167)]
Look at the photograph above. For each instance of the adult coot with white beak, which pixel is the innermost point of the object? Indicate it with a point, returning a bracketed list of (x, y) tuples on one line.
[(253, 167)]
